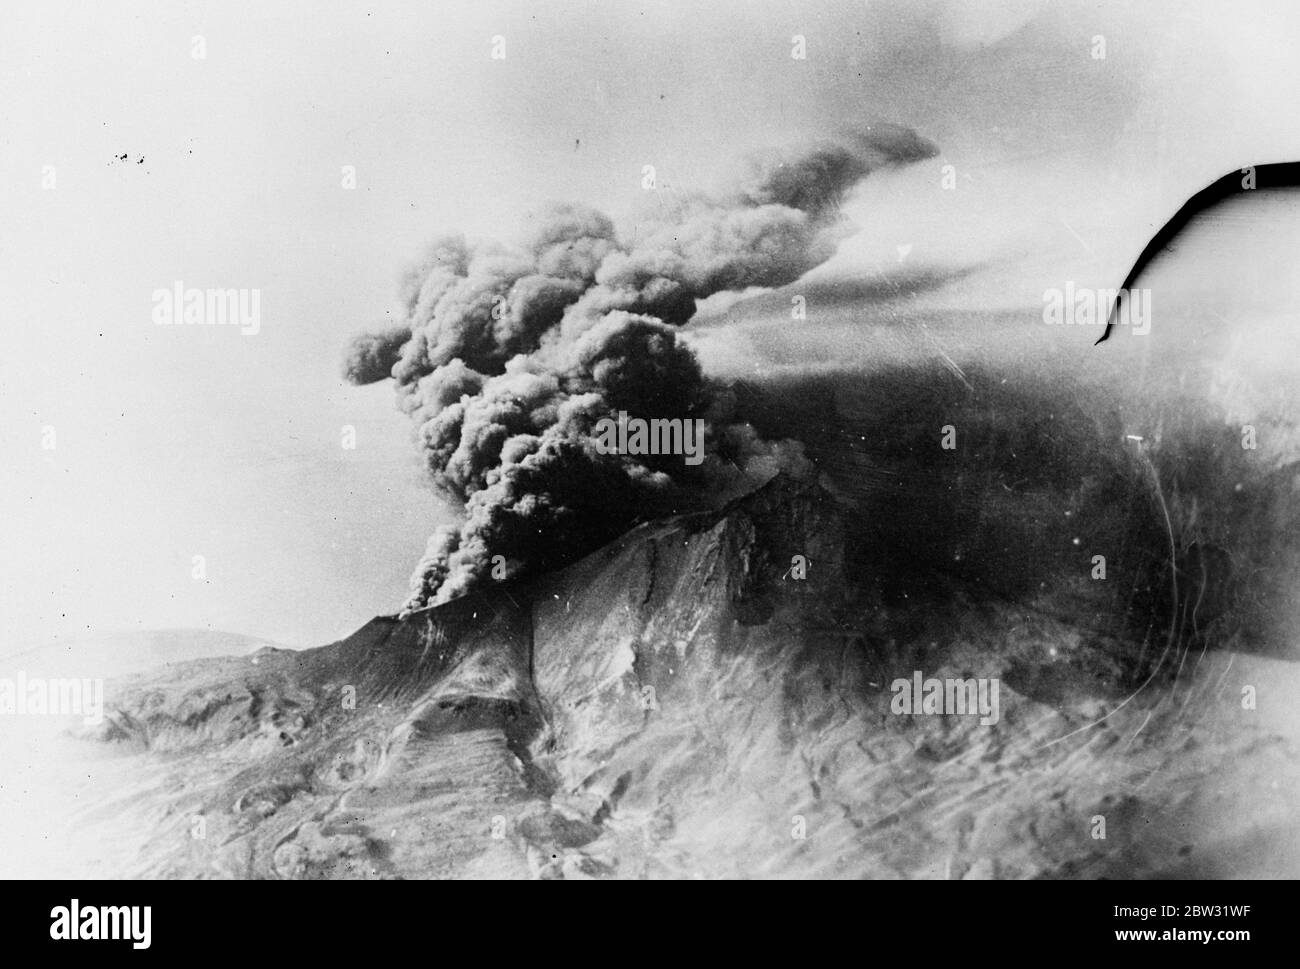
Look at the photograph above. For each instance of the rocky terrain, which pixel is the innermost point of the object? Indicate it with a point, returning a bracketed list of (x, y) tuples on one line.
[(680, 704)]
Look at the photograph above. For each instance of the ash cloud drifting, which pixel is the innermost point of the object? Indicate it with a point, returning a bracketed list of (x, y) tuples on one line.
[(510, 355)]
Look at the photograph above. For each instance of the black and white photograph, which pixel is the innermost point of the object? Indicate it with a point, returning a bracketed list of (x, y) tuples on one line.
[(646, 440)]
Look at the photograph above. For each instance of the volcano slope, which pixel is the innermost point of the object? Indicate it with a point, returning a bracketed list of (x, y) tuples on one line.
[(682, 703)]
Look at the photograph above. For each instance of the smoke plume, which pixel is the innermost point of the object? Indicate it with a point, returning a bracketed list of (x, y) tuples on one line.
[(510, 355)]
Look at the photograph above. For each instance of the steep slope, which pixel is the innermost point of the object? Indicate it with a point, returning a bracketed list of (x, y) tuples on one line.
[(689, 701)]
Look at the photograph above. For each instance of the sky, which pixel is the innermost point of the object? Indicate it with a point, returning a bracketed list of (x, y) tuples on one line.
[(176, 442)]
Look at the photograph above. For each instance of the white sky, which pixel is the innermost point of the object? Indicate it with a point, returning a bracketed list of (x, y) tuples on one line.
[(176, 442)]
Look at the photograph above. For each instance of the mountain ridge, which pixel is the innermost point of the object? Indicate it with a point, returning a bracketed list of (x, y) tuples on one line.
[(680, 703)]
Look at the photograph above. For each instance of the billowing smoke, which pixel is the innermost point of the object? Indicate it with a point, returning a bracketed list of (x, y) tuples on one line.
[(371, 356), (511, 355)]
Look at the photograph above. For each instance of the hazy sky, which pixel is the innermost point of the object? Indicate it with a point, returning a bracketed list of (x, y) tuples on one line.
[(173, 442)]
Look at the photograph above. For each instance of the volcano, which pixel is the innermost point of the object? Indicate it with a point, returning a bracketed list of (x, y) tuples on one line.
[(706, 697)]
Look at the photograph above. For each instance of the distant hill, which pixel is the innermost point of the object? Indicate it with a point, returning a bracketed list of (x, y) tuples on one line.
[(128, 651)]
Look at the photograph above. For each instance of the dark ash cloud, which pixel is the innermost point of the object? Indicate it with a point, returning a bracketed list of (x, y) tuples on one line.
[(510, 355)]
